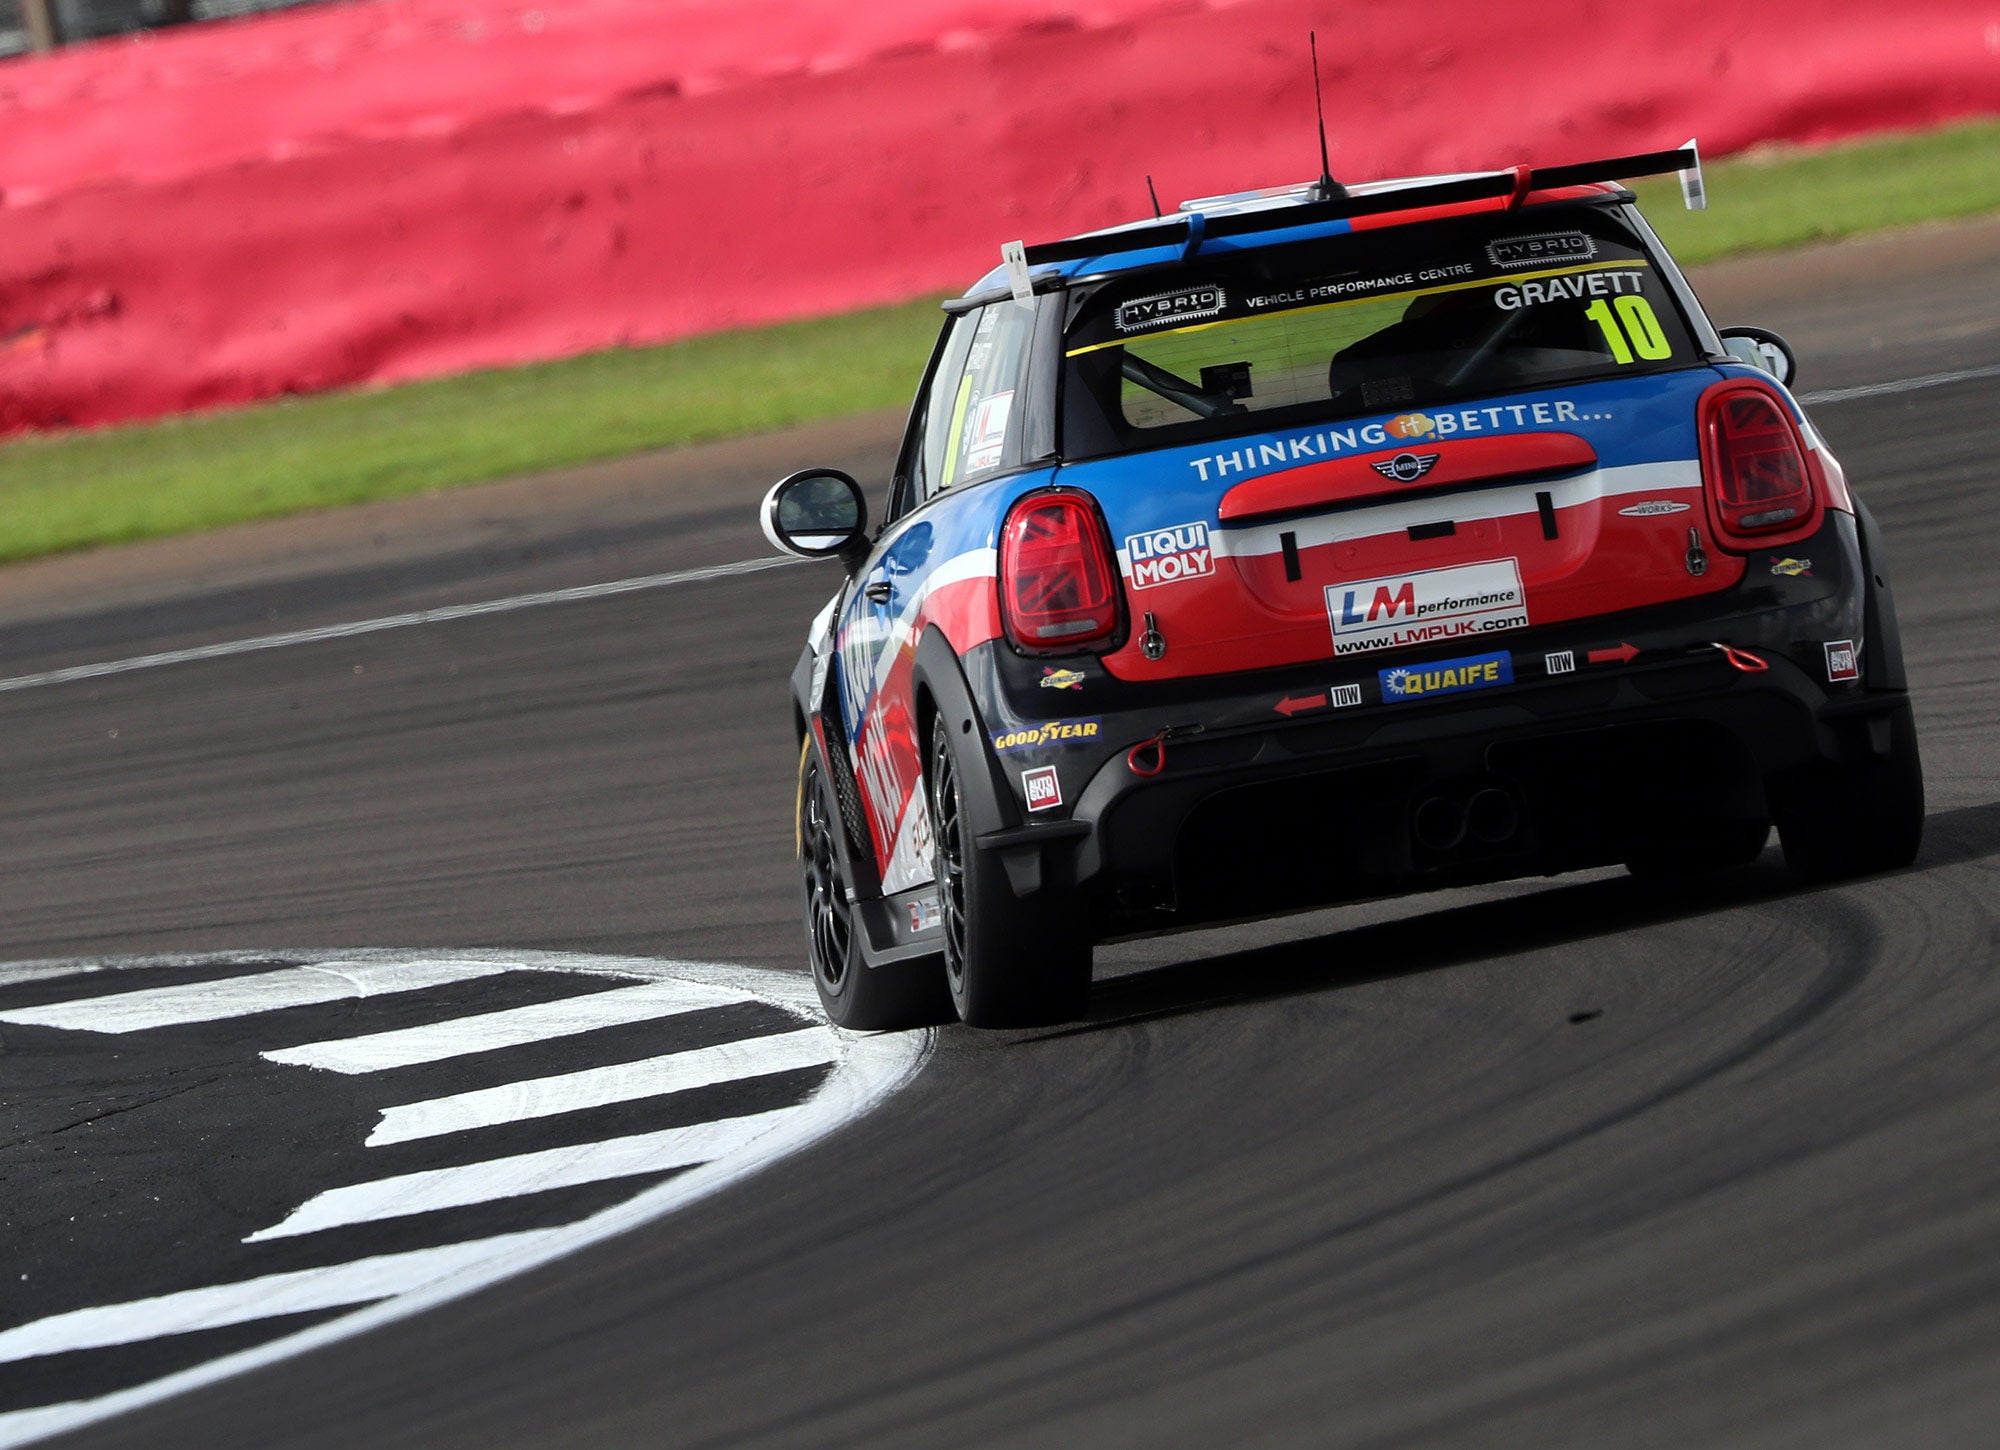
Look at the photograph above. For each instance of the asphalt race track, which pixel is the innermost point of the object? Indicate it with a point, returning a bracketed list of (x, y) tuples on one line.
[(1564, 1163)]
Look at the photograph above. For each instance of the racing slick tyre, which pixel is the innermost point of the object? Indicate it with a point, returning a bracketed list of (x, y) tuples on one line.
[(1010, 961), (1854, 819), (1691, 848), (852, 993)]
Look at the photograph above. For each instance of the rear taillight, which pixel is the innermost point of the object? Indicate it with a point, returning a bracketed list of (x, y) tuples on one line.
[(1755, 463), (1058, 581)]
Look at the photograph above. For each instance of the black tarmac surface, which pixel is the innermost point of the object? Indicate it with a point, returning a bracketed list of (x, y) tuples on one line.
[(1566, 1163)]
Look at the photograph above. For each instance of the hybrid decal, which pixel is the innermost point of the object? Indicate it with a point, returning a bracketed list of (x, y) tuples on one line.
[(1541, 249), (1447, 677), (1164, 309), (1427, 605), (1043, 788), (1165, 556), (1050, 732)]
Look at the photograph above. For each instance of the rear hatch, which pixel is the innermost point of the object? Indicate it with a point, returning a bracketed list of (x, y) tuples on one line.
[(1348, 448)]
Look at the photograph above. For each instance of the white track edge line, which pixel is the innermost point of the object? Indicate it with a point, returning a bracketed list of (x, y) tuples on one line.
[(1900, 385), (873, 1069), (443, 614)]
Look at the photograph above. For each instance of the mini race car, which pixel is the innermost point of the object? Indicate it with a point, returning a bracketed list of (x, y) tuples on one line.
[(1314, 545)]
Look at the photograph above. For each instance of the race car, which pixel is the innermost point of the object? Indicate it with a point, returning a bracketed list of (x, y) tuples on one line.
[(1321, 544)]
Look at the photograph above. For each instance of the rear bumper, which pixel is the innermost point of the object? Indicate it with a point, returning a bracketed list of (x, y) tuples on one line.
[(1269, 796)]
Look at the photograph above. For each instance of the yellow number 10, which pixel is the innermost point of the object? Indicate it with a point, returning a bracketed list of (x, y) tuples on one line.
[(1639, 325)]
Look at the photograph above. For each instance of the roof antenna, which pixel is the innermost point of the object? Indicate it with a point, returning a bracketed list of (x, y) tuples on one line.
[(1156, 197), (1326, 188)]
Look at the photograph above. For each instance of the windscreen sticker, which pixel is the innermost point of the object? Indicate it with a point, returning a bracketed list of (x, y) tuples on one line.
[(1325, 289), (1541, 249), (1564, 288), (1426, 606), (989, 431)]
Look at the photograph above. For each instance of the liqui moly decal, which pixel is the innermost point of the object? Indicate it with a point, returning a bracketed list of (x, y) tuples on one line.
[(1163, 556), (1426, 607)]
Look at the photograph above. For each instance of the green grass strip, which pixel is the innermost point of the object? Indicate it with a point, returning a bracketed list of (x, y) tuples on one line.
[(113, 485)]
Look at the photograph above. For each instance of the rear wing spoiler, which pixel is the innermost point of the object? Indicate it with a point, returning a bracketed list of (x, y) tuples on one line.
[(1190, 231)]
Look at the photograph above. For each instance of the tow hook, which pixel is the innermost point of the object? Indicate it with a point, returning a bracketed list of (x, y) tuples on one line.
[(1742, 659), (1149, 757), (1152, 644), (1697, 557)]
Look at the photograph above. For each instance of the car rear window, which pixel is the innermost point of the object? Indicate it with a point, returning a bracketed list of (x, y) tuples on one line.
[(1368, 322)]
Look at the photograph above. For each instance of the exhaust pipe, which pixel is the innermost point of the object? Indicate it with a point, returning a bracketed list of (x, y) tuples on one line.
[(1438, 823), (1491, 816)]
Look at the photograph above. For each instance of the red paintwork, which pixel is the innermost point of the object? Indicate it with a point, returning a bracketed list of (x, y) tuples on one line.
[(1460, 460)]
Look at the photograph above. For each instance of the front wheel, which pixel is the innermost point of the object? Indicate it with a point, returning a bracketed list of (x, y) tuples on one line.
[(852, 993), (1851, 820), (1010, 961)]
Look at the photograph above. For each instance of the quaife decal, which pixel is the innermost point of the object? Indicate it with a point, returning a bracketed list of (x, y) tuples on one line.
[(1054, 679), (1428, 605), (1541, 250), (1406, 467), (1792, 568), (1163, 556), (1446, 677), (1043, 789), (1163, 309), (1049, 732), (1651, 508), (1842, 661)]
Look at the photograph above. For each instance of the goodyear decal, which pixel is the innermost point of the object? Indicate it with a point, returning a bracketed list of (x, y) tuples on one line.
[(1049, 732), (1447, 677)]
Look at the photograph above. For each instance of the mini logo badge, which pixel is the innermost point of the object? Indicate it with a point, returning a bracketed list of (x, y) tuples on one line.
[(1447, 677), (1559, 662), (1345, 695), (1163, 309), (1792, 568), (1166, 556), (1053, 679), (1652, 508), (1406, 467), (1043, 788), (1542, 249), (1842, 663)]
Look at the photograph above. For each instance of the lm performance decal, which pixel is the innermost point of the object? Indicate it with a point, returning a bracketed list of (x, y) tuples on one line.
[(1447, 677), (1050, 732), (1162, 556), (1429, 605)]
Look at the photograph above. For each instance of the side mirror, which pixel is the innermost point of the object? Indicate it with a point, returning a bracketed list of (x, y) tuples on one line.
[(1761, 348), (817, 514)]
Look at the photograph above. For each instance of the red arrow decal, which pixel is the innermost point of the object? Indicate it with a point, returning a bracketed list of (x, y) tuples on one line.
[(1624, 654), (1289, 707)]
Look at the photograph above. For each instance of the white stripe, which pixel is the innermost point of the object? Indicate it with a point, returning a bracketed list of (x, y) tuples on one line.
[(598, 1087), (436, 1188), (1901, 385), (392, 621), (193, 1002), (511, 1027), (214, 1306), (1395, 515)]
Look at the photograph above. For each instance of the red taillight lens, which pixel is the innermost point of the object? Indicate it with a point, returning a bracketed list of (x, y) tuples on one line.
[(1756, 465), (1058, 583)]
